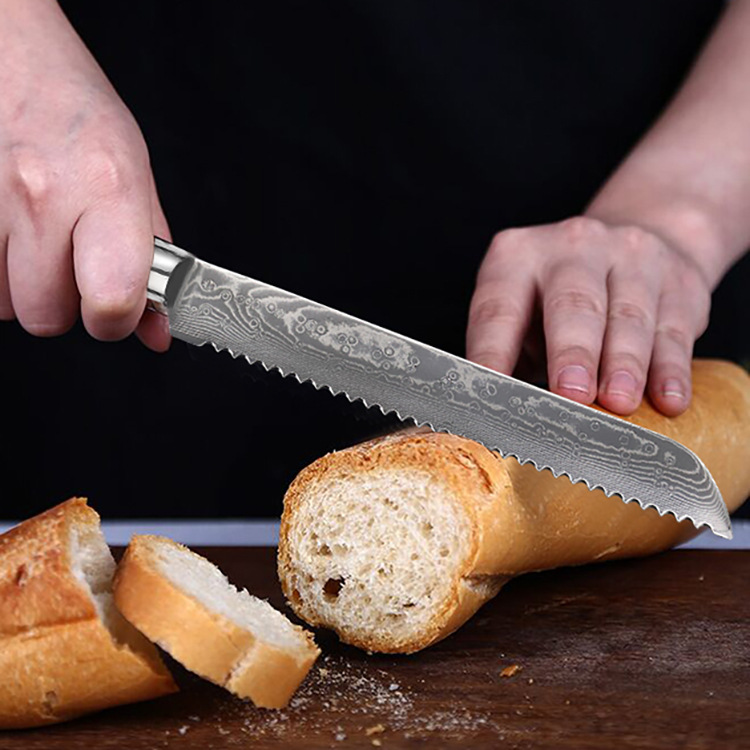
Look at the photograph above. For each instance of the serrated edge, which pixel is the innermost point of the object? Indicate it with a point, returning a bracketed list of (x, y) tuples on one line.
[(728, 534)]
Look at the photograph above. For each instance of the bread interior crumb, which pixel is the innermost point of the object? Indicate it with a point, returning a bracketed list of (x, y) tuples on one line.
[(203, 581), (376, 551), (93, 565)]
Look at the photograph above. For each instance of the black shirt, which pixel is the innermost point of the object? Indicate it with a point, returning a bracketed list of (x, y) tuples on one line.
[(358, 153)]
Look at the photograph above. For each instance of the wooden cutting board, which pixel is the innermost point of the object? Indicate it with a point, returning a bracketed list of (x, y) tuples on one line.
[(651, 653)]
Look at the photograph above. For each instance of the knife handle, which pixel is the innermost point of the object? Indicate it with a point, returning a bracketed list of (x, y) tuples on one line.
[(167, 257)]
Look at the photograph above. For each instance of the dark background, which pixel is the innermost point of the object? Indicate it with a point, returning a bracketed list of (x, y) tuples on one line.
[(359, 153)]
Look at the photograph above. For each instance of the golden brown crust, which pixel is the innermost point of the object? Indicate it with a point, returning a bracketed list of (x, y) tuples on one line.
[(522, 519), (204, 641), (36, 584), (57, 659), (269, 675)]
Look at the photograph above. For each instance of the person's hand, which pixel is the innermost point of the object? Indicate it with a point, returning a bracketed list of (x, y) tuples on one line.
[(620, 310), (78, 206)]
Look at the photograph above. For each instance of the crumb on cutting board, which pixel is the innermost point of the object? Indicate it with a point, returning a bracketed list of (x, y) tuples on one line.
[(513, 669), (366, 696)]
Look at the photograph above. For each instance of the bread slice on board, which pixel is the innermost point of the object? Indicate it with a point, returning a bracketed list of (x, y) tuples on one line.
[(186, 605), (64, 648), (397, 542)]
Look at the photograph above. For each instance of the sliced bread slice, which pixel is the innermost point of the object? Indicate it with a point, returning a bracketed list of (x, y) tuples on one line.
[(64, 648), (186, 605)]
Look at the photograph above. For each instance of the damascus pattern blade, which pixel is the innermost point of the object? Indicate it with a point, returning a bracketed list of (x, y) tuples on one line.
[(333, 350)]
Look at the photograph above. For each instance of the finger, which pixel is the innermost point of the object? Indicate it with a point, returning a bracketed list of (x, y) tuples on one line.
[(153, 328), (40, 276), (153, 331), (629, 338), (113, 249), (499, 316), (6, 305), (574, 307), (40, 282), (681, 318)]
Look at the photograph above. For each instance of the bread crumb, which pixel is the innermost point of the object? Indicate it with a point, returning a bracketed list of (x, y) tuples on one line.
[(183, 729), (360, 692), (377, 742), (322, 672), (511, 670), (531, 680), (340, 736), (194, 718)]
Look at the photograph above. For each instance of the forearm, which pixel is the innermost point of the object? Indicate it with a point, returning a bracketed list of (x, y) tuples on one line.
[(688, 180)]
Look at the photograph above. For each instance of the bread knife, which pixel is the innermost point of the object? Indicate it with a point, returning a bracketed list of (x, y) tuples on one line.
[(206, 304)]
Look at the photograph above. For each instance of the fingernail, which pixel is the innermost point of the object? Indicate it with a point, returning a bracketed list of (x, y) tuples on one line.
[(574, 378), (672, 388), (621, 384)]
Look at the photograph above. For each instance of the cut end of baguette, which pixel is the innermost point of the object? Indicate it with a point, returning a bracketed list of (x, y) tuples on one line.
[(184, 603), (394, 543), (375, 544), (59, 629)]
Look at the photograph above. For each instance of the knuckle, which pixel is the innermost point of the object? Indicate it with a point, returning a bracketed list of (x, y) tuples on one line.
[(579, 229), (507, 240), (34, 177), (494, 310), (108, 172), (574, 301), (639, 240), (677, 335), (113, 304), (630, 313)]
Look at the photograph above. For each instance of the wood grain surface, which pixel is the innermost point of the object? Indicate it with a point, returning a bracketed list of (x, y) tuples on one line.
[(651, 653)]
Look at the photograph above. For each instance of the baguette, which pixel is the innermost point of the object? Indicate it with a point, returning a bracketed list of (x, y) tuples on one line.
[(64, 649), (396, 542), (184, 603)]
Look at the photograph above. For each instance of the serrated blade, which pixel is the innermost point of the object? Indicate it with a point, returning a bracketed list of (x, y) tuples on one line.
[(209, 305)]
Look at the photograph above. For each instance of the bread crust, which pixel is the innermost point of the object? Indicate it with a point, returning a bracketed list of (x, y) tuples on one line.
[(523, 520), (205, 642), (57, 658)]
